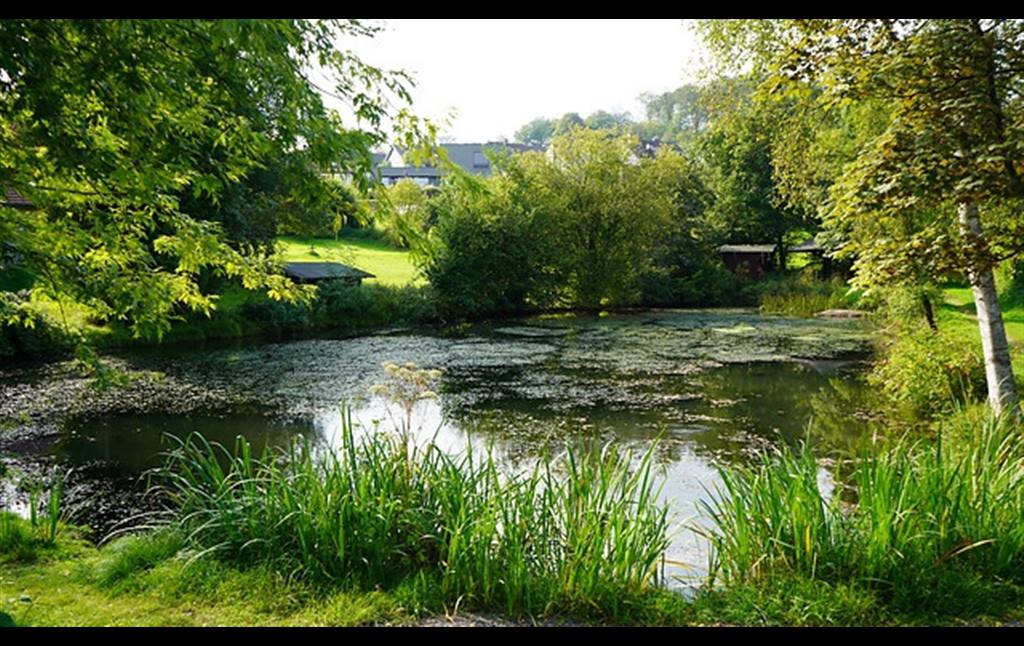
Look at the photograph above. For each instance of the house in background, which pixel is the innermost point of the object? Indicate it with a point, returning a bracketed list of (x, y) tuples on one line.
[(471, 158)]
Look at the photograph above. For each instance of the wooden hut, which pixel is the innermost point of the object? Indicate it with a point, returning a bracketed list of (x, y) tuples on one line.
[(315, 272), (747, 259)]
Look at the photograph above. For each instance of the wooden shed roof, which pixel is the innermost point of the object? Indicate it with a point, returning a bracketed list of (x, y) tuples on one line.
[(811, 246), (313, 271), (747, 248)]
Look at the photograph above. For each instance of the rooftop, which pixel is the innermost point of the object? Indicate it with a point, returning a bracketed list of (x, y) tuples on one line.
[(747, 248), (313, 271)]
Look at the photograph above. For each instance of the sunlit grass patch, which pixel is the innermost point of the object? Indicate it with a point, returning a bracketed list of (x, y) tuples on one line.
[(390, 265)]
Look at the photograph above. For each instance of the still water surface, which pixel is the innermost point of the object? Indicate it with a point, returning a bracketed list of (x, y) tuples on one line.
[(712, 387)]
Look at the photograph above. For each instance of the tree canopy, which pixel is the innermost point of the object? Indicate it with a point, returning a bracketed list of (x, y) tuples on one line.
[(136, 140), (936, 186)]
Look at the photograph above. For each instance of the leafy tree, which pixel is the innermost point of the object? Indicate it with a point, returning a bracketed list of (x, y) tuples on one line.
[(568, 121), (404, 212), (339, 205), (738, 151), (602, 120), (950, 153), (139, 141), (494, 249), (610, 206), (685, 266), (537, 132), (679, 115)]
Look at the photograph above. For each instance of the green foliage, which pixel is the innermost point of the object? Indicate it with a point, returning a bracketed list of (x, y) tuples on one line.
[(602, 120), (802, 294), (129, 557), (610, 208), (582, 533), (493, 249), (26, 540), (680, 115), (924, 372), (567, 123), (929, 526), (344, 307), (404, 214), (588, 225), (339, 205), (738, 152), (537, 132), (140, 142), (31, 336), (361, 307)]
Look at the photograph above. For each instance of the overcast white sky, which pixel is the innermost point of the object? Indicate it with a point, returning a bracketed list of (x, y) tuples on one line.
[(500, 74)]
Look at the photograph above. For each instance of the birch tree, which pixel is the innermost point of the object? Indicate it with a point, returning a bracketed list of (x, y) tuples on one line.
[(950, 154)]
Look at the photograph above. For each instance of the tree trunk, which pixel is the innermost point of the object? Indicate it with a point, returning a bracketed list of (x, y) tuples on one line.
[(1002, 389), (929, 313)]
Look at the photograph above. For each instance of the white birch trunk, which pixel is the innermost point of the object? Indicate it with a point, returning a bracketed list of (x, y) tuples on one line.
[(1002, 389)]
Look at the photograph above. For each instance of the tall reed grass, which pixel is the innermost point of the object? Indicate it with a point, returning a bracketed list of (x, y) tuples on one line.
[(916, 513), (582, 532), (24, 539)]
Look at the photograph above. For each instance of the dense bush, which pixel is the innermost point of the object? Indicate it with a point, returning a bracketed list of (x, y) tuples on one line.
[(802, 294), (340, 205), (590, 225), (404, 213), (41, 340), (709, 285), (925, 372), (344, 307), (363, 306), (493, 251)]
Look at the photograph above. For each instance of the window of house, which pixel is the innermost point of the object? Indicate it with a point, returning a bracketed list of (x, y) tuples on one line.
[(480, 161)]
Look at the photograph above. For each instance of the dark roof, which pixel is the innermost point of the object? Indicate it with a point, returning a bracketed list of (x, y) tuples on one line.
[(13, 199), (409, 171), (323, 271), (808, 245), (747, 248), (465, 154), (462, 155)]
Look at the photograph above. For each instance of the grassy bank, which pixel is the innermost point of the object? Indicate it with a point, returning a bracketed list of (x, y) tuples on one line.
[(136, 582), (918, 532), (380, 531), (957, 314)]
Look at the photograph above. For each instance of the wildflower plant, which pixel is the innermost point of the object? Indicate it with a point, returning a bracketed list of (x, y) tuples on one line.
[(404, 388)]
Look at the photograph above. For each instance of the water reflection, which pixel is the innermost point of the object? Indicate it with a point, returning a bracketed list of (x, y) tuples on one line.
[(712, 387)]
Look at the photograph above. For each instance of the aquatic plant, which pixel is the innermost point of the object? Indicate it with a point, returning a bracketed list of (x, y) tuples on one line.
[(579, 532), (405, 387), (921, 519)]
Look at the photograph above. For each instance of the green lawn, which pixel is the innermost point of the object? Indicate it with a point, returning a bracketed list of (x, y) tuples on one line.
[(73, 588), (957, 312), (391, 266)]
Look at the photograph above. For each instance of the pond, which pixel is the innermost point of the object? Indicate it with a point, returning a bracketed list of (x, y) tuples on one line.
[(711, 387)]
